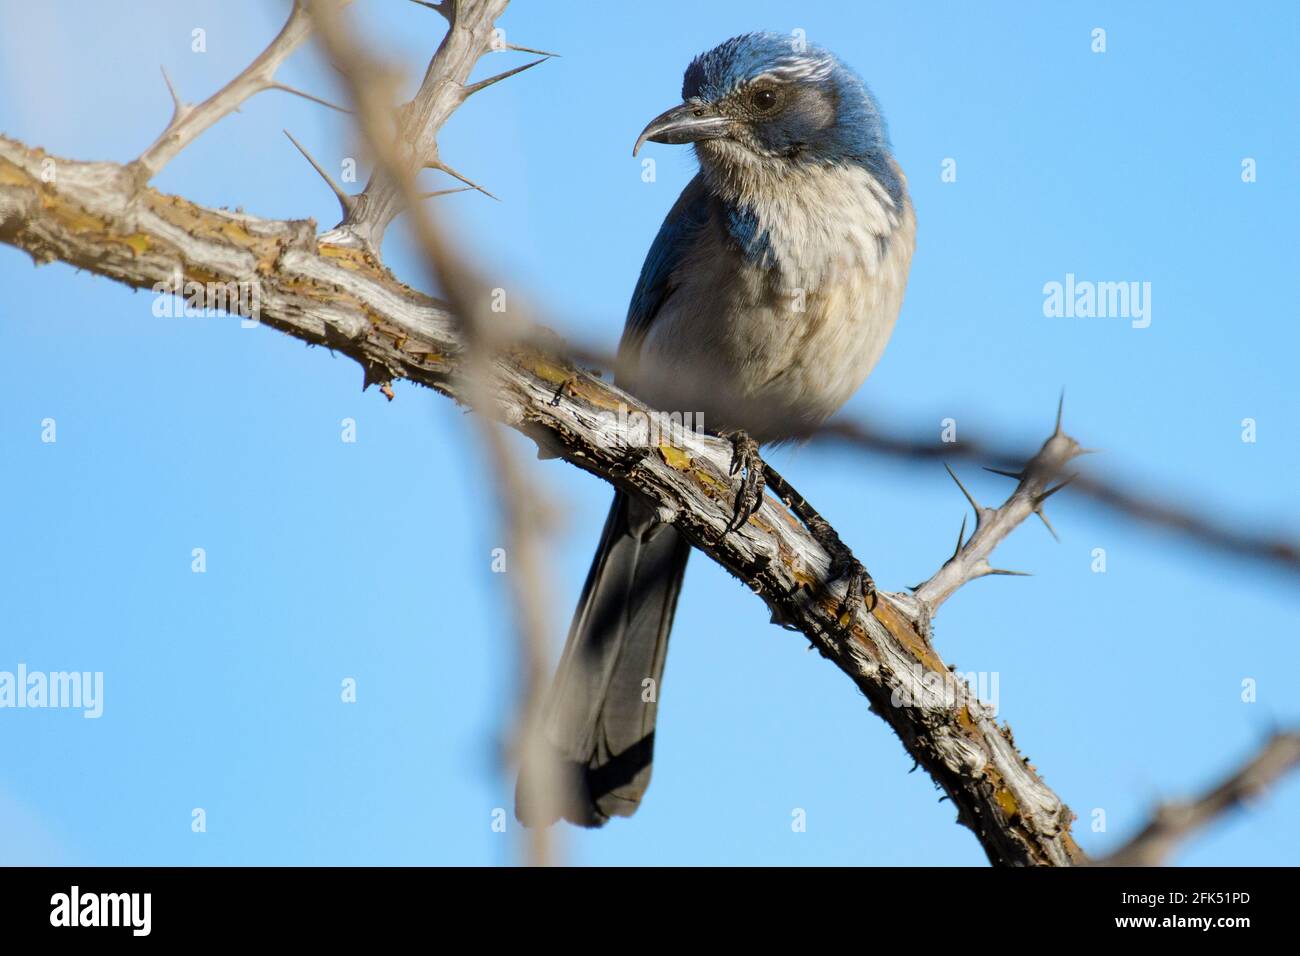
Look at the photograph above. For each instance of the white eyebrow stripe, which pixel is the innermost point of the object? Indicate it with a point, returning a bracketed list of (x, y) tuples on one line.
[(799, 69)]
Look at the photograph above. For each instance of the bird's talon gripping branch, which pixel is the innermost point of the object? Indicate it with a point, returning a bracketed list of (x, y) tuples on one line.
[(746, 463), (860, 587), (566, 389)]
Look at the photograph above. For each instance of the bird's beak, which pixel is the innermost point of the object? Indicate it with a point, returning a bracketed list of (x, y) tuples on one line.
[(688, 123)]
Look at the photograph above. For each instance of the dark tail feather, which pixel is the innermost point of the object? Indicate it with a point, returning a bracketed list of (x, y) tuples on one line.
[(597, 716)]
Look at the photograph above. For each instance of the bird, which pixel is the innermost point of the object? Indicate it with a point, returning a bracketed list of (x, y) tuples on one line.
[(765, 300)]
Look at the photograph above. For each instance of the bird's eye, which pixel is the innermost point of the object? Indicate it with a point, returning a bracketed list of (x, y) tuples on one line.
[(763, 99)]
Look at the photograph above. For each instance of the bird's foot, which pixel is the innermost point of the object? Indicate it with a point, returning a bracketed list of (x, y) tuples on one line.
[(860, 588), (745, 463), (566, 389)]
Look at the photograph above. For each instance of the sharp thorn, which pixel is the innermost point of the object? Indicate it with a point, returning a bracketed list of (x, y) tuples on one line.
[(1014, 574), (308, 96), (179, 108), (1018, 475), (439, 164), (176, 100), (1051, 491), (1060, 411), (446, 192), (473, 88), (1042, 514), (344, 199), (960, 534), (528, 49), (969, 497)]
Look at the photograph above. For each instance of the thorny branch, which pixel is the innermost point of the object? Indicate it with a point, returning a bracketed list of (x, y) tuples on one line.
[(470, 34), (1196, 524), (189, 122), (970, 559), (334, 291)]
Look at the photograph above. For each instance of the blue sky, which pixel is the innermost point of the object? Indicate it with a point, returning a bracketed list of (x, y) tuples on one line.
[(371, 560)]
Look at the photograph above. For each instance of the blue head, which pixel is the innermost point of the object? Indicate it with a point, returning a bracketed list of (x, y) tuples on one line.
[(766, 101)]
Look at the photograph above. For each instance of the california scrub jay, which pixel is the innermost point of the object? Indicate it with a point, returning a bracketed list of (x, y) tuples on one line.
[(766, 299)]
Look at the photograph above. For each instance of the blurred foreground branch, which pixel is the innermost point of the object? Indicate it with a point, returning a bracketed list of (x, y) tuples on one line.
[(1175, 822), (397, 154)]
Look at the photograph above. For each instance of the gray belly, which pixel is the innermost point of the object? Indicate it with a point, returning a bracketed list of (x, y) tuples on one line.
[(753, 349)]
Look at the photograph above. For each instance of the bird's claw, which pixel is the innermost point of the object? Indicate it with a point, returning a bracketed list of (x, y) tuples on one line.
[(746, 463), (859, 587), (859, 590), (566, 389)]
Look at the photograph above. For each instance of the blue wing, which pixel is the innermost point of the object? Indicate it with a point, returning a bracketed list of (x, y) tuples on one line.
[(676, 236)]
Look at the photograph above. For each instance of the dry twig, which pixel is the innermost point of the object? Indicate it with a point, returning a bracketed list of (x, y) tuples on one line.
[(1173, 823)]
